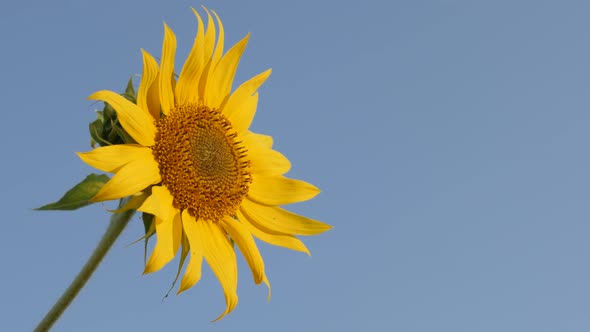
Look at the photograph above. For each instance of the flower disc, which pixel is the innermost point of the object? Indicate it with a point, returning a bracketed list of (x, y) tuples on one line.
[(201, 161)]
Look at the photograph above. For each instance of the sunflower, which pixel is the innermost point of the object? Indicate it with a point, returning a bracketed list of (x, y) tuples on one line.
[(209, 181)]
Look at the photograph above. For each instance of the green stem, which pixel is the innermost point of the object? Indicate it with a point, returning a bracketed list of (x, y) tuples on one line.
[(116, 226)]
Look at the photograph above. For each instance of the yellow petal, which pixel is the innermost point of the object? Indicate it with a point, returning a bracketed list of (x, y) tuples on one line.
[(153, 98), (130, 179), (220, 40), (219, 84), (240, 234), (209, 37), (279, 190), (113, 157), (167, 70), (276, 219), (149, 76), (133, 203), (246, 109), (208, 46), (159, 203), (221, 257), (281, 240), (192, 275), (187, 87), (193, 270), (168, 233), (241, 105), (264, 160), (265, 140), (135, 121)]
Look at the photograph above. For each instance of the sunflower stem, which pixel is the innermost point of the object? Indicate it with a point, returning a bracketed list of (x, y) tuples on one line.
[(116, 226)]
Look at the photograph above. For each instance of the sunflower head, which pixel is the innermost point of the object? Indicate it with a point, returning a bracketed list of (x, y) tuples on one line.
[(197, 168)]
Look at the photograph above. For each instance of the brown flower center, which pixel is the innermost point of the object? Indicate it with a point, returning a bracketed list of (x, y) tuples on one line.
[(202, 162)]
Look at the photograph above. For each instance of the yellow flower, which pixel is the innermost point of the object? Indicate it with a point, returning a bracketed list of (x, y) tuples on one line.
[(197, 168)]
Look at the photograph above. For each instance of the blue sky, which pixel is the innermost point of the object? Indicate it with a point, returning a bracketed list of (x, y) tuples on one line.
[(449, 138)]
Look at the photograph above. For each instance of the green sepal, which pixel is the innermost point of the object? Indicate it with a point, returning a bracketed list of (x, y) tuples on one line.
[(106, 129), (183, 254), (80, 195), (96, 129), (108, 112), (148, 223), (130, 91), (113, 136), (123, 135)]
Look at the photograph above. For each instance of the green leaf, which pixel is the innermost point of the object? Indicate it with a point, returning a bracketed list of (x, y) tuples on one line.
[(80, 195)]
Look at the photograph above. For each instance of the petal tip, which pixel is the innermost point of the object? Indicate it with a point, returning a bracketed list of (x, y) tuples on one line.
[(198, 16), (269, 289), (182, 288), (324, 228), (205, 8), (96, 95), (148, 269)]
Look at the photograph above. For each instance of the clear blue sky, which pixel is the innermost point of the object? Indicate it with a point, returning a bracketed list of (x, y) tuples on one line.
[(450, 139)]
